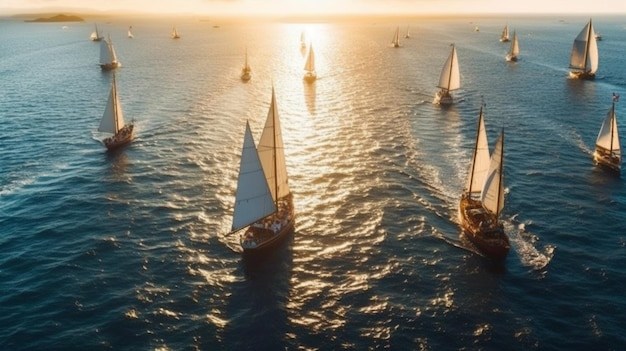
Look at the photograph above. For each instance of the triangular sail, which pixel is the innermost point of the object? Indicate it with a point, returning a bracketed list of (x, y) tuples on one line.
[(253, 199), (130, 33), (492, 196), (309, 65), (113, 118), (505, 34), (608, 137), (396, 37), (514, 50), (450, 78), (480, 159), (585, 50), (272, 153), (105, 53)]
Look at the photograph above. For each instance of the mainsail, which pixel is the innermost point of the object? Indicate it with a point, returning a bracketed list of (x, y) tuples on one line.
[(450, 78), (492, 196), (272, 153), (107, 52), (253, 199), (585, 50), (608, 137), (113, 118), (505, 34), (480, 160), (514, 50), (309, 65), (396, 38)]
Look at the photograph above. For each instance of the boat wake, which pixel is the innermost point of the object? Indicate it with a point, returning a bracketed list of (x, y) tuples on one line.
[(525, 243)]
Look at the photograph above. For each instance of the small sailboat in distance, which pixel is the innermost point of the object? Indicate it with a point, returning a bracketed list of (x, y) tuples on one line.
[(263, 201), (483, 197), (395, 42), (504, 37), (108, 57), (246, 71), (309, 66), (303, 40), (584, 58), (449, 80), (95, 36), (513, 49), (408, 34), (608, 150), (175, 34), (130, 32), (113, 121)]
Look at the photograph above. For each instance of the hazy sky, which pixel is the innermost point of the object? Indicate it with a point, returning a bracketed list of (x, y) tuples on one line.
[(325, 6)]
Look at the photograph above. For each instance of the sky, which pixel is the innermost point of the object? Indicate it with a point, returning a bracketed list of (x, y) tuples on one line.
[(302, 7)]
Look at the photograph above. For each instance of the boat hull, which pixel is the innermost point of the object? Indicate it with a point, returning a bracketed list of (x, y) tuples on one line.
[(123, 137), (482, 229), (607, 161), (310, 77), (271, 231), (109, 66), (443, 98), (511, 58), (245, 76), (582, 75)]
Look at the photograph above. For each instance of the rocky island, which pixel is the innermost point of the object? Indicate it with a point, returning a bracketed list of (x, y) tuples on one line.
[(58, 18)]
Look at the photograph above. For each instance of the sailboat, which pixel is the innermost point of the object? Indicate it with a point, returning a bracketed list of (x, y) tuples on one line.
[(449, 80), (175, 34), (263, 201), (95, 36), (395, 42), (246, 71), (608, 151), (504, 37), (408, 34), (113, 121), (514, 49), (302, 40), (584, 58), (309, 65), (483, 197), (130, 33), (108, 58)]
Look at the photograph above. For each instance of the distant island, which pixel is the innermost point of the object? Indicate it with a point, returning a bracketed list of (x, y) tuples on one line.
[(58, 18)]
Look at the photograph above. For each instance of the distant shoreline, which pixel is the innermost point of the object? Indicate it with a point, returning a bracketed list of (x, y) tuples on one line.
[(58, 18)]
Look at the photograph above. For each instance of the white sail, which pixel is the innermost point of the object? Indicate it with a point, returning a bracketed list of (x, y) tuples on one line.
[(272, 153), (113, 118), (130, 33), (450, 78), (175, 34), (107, 52), (514, 49), (303, 39), (585, 50), (480, 160), (95, 35), (505, 34), (253, 199), (608, 138), (396, 38), (492, 195), (309, 65)]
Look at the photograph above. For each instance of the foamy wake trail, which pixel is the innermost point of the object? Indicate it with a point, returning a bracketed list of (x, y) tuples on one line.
[(525, 243)]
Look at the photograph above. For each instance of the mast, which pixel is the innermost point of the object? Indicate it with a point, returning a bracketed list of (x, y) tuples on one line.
[(612, 123), (450, 71), (500, 187), (274, 151), (115, 112), (471, 180), (586, 56)]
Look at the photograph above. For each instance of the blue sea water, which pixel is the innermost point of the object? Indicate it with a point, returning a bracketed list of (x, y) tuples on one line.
[(130, 250)]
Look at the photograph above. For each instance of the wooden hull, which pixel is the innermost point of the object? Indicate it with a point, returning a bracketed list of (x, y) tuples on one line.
[(482, 229), (271, 231), (245, 76), (443, 97), (511, 58), (123, 137), (605, 160)]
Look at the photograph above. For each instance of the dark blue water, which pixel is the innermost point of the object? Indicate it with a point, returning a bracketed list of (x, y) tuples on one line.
[(130, 250)]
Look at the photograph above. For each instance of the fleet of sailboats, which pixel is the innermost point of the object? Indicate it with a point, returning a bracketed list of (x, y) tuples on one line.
[(309, 65), (504, 37), (483, 196), (95, 36), (584, 58), (608, 150), (108, 57), (263, 200), (449, 80), (395, 41), (113, 121), (246, 71), (514, 49)]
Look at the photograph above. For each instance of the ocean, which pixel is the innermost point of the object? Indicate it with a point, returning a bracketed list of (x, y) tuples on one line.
[(131, 250)]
